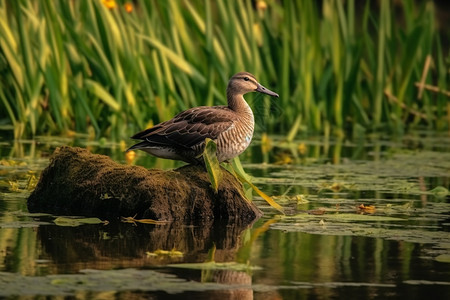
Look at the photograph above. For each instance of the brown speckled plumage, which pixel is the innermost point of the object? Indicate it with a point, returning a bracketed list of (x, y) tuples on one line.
[(231, 127)]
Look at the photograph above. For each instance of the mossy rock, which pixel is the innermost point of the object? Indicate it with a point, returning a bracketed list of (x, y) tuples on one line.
[(78, 182)]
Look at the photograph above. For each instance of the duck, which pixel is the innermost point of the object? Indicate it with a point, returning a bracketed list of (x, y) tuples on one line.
[(229, 126)]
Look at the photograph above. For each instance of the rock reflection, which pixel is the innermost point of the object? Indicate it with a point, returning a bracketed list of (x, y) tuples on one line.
[(118, 245), (232, 277)]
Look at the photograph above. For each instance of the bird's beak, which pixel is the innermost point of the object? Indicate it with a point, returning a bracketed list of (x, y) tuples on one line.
[(264, 90)]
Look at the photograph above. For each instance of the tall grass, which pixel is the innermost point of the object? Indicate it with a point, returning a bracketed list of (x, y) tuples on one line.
[(78, 66)]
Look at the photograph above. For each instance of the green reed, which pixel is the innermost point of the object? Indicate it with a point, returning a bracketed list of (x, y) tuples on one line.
[(78, 66)]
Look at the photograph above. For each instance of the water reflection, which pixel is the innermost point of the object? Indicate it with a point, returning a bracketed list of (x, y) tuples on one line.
[(68, 250), (119, 245), (345, 267), (399, 260)]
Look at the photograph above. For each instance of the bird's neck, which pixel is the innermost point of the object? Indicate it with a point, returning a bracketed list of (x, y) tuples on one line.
[(237, 103)]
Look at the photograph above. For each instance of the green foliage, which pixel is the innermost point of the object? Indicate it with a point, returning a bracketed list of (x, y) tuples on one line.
[(212, 164), (80, 66), (238, 171)]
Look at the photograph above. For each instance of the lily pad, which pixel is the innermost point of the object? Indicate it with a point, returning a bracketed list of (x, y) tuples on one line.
[(73, 222), (23, 224), (440, 191), (445, 258), (211, 265), (21, 213), (360, 218), (99, 281)]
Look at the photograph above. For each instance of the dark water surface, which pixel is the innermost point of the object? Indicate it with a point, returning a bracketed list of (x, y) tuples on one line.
[(364, 220)]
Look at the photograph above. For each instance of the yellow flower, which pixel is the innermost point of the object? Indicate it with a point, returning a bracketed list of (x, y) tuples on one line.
[(130, 157), (302, 148), (283, 158), (109, 4), (257, 33), (128, 7), (261, 5), (266, 143)]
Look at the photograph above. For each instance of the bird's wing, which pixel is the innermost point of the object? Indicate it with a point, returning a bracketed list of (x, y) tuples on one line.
[(189, 128)]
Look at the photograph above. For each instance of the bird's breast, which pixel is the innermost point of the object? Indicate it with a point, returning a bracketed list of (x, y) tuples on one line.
[(236, 139)]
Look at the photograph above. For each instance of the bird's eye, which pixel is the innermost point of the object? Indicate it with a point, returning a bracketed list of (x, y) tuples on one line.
[(246, 79)]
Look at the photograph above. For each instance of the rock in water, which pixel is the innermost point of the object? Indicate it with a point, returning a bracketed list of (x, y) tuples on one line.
[(78, 182)]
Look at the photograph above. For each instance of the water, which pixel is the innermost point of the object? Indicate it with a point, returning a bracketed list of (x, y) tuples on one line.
[(364, 220)]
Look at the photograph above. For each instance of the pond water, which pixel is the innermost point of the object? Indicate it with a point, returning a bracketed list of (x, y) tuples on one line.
[(363, 220)]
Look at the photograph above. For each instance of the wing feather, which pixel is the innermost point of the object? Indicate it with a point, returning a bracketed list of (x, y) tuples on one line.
[(189, 128)]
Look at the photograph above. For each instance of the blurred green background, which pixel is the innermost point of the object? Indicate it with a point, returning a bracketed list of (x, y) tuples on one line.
[(111, 68)]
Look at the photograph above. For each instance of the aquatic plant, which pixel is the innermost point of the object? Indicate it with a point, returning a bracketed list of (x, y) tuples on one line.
[(108, 68)]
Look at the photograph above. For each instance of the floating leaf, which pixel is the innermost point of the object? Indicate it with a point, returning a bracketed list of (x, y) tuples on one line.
[(21, 213), (23, 224), (439, 191), (211, 265), (159, 252), (316, 212), (370, 209), (73, 222), (212, 164), (98, 282), (359, 217), (445, 258), (143, 221)]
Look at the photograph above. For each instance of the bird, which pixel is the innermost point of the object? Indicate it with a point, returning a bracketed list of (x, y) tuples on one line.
[(229, 126)]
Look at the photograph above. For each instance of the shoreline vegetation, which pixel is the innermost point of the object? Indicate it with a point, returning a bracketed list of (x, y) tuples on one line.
[(109, 68)]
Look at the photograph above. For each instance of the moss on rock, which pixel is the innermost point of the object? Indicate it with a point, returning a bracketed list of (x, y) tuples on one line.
[(78, 182)]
